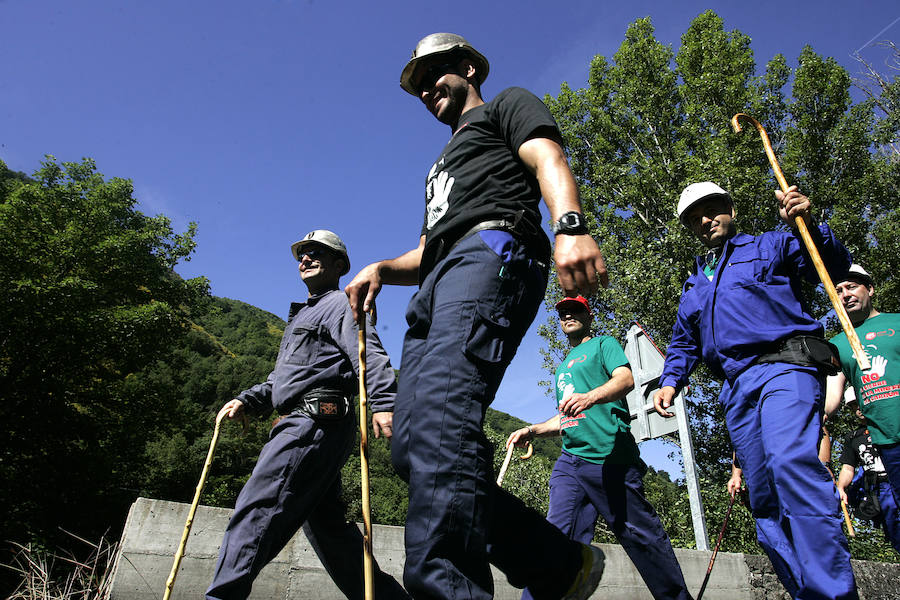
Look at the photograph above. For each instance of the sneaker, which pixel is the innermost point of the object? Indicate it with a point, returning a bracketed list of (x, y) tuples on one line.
[(588, 578)]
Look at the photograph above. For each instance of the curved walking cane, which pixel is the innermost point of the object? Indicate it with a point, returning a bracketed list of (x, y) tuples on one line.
[(368, 561), (509, 453), (179, 554), (712, 559), (861, 359)]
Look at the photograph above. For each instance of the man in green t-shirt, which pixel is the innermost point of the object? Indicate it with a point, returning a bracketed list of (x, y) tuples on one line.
[(878, 389), (600, 472)]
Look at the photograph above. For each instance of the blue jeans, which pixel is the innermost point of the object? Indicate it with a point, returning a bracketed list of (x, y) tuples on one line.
[(580, 491), (296, 483), (465, 324), (774, 416)]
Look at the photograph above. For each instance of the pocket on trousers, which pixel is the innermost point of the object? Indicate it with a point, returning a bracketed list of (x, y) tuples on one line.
[(487, 338)]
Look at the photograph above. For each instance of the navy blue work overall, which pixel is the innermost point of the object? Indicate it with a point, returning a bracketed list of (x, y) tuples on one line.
[(301, 456), (581, 491), (465, 324), (774, 415)]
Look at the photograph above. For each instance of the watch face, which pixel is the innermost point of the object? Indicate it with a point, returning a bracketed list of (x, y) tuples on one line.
[(571, 222)]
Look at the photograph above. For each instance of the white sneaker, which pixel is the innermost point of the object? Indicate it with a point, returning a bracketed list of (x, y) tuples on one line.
[(588, 578)]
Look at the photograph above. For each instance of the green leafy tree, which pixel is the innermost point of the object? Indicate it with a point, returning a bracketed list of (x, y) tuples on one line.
[(653, 120), (88, 296)]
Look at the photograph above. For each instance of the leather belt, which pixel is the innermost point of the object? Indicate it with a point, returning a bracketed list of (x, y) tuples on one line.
[(499, 224), (324, 405), (805, 351)]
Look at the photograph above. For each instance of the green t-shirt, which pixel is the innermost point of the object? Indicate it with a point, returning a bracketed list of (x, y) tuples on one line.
[(602, 433), (878, 389)]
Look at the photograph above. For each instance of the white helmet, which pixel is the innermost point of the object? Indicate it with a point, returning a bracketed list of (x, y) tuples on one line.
[(696, 192)]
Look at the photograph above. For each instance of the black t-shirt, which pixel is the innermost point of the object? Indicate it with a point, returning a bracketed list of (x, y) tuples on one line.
[(859, 450), (478, 175)]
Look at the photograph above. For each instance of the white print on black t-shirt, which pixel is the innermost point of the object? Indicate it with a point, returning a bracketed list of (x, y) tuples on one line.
[(437, 194), (870, 461)]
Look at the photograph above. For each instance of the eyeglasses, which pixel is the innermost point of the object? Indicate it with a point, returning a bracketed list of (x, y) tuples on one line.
[(312, 253), (432, 74)]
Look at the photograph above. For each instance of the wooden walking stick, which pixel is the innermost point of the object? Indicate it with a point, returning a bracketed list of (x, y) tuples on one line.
[(509, 453), (861, 359), (368, 561), (170, 582), (825, 459), (712, 559)]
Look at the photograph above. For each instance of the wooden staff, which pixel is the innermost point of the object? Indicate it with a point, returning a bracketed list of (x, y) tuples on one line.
[(825, 459), (509, 453), (170, 582), (861, 359), (368, 562), (712, 558)]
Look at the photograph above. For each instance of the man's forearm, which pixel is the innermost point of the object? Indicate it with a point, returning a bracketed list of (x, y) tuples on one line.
[(403, 270), (548, 428), (834, 392), (845, 477), (617, 387)]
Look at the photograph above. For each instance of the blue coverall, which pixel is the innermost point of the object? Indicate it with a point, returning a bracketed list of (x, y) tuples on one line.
[(297, 480), (773, 410)]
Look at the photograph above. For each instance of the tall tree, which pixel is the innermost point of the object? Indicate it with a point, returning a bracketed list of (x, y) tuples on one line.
[(88, 296), (652, 121)]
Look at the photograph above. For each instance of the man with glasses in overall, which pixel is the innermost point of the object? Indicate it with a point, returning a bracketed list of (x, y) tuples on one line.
[(297, 478), (481, 265)]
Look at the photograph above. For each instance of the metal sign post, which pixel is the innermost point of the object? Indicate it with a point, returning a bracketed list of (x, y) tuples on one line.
[(646, 366)]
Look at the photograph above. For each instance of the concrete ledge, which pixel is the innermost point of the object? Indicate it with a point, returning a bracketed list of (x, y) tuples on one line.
[(153, 531)]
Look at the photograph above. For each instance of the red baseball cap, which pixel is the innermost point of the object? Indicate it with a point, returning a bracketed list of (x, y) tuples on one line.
[(581, 301)]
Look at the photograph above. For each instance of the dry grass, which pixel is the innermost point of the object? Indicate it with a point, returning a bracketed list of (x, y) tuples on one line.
[(46, 575)]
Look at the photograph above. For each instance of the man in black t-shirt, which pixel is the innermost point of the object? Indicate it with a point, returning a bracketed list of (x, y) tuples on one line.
[(481, 265), (859, 451)]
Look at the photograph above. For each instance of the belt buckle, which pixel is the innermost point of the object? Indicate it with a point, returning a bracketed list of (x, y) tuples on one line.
[(327, 408)]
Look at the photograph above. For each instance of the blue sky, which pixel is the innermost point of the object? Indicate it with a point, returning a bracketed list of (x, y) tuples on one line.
[(263, 120)]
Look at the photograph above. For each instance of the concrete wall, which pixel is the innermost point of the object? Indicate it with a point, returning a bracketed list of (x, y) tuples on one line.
[(154, 527)]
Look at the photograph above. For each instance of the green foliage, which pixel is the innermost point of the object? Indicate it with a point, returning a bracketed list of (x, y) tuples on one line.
[(230, 347), (653, 120), (87, 298)]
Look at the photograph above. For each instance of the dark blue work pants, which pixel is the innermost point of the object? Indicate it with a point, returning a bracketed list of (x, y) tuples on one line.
[(296, 483), (890, 517), (580, 491), (465, 324), (890, 458), (774, 415)]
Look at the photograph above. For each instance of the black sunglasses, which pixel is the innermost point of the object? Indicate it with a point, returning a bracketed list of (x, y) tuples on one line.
[(433, 73), (313, 253), (564, 312)]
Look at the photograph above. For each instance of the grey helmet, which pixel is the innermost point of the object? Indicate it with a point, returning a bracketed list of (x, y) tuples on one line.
[(437, 44), (322, 237)]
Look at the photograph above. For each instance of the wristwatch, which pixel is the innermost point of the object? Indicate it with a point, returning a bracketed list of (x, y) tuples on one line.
[(571, 223)]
